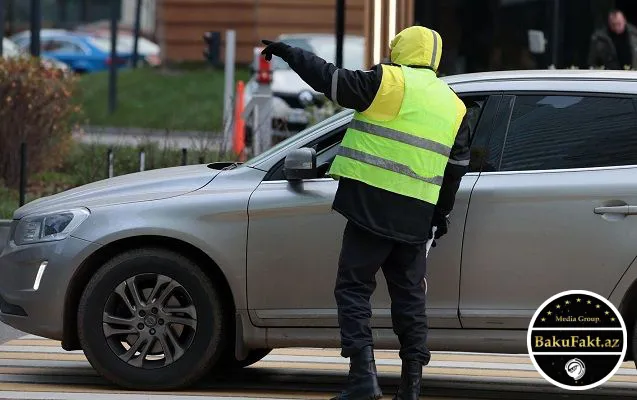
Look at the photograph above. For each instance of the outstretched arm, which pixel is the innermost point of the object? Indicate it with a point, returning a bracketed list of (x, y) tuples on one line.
[(347, 88)]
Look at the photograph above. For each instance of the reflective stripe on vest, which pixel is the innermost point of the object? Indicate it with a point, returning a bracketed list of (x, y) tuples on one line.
[(386, 164), (402, 137)]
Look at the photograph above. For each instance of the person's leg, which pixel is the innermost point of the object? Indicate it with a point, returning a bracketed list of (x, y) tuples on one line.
[(404, 271), (361, 256)]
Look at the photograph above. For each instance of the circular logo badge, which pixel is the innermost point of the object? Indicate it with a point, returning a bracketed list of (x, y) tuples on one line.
[(577, 340)]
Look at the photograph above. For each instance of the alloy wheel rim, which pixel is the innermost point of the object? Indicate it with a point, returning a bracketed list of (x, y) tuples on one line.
[(149, 321)]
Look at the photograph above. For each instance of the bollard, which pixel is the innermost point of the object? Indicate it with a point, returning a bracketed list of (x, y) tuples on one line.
[(184, 156), (23, 173), (109, 162), (239, 124), (142, 160)]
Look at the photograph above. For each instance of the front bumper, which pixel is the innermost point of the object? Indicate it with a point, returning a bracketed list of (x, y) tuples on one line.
[(39, 309)]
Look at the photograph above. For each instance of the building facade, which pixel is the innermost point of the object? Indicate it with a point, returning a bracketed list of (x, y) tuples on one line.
[(182, 23)]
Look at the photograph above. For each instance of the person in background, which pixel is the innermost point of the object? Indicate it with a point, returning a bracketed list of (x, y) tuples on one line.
[(615, 46)]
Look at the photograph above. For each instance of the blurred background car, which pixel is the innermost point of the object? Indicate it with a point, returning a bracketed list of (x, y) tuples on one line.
[(83, 53), (291, 95), (149, 51), (10, 50)]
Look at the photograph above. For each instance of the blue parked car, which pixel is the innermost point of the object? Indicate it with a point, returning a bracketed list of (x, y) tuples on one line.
[(82, 53)]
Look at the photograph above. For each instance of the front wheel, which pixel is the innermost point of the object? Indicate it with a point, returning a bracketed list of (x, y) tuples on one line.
[(150, 319)]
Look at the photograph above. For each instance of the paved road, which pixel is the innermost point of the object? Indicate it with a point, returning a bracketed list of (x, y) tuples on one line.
[(36, 368), (7, 333)]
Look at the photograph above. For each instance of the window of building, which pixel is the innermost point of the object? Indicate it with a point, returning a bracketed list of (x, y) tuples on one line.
[(560, 132)]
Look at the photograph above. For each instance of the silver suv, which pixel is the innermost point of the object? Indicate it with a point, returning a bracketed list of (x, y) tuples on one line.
[(161, 275)]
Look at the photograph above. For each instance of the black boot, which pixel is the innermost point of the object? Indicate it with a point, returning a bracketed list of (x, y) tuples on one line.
[(362, 381), (410, 379)]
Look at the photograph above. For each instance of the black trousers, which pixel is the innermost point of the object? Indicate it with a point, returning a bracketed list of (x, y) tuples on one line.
[(403, 265)]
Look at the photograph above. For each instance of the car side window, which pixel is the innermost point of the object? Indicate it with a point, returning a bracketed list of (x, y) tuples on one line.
[(326, 148), (479, 138), (562, 132), (62, 46)]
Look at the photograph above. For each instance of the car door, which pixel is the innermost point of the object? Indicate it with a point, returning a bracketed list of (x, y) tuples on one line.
[(294, 241), (67, 51), (550, 215)]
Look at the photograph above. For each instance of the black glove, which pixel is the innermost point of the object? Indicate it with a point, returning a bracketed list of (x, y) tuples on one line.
[(440, 222), (276, 48)]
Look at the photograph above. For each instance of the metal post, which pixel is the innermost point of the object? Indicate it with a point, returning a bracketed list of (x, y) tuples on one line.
[(142, 160), (340, 31), (112, 78), (2, 5), (83, 10), (36, 23), (138, 17), (109, 162), (556, 27), (23, 173), (256, 134), (184, 156), (63, 12), (229, 75)]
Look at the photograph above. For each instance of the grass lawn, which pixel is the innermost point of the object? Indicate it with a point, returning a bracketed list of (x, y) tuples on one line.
[(155, 99)]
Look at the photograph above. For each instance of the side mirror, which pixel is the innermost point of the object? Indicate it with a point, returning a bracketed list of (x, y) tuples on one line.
[(300, 164)]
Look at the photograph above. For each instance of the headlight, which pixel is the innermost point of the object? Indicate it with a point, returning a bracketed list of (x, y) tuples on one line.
[(48, 227)]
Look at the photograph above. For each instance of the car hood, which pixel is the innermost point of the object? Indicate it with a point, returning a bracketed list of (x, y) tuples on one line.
[(141, 186), (288, 81)]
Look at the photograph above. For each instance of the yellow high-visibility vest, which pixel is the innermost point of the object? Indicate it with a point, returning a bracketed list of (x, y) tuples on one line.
[(403, 141)]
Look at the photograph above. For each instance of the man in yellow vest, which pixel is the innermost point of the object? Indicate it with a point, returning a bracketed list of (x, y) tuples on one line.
[(399, 167)]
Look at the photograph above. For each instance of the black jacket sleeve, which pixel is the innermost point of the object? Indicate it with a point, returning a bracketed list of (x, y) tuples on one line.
[(347, 88), (457, 167)]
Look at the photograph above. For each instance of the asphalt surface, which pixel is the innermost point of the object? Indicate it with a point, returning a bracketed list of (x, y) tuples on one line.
[(8, 333), (36, 368)]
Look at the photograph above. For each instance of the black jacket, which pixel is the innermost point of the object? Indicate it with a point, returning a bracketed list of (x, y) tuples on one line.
[(382, 212)]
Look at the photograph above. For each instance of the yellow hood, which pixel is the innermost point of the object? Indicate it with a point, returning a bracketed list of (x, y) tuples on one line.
[(417, 45)]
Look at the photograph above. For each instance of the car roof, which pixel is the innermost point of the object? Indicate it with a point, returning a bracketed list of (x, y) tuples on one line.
[(549, 80), (560, 74)]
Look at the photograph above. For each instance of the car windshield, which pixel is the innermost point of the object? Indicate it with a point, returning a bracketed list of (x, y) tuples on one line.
[(297, 138), (325, 47)]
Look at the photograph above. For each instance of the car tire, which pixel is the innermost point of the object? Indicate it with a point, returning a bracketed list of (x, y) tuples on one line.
[(193, 346)]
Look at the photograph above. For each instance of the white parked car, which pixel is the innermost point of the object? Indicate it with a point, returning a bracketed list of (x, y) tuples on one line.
[(291, 94)]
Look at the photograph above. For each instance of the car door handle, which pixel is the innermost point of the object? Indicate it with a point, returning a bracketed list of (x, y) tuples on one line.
[(623, 210)]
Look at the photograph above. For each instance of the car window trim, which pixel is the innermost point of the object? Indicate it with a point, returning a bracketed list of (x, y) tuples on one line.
[(516, 94)]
